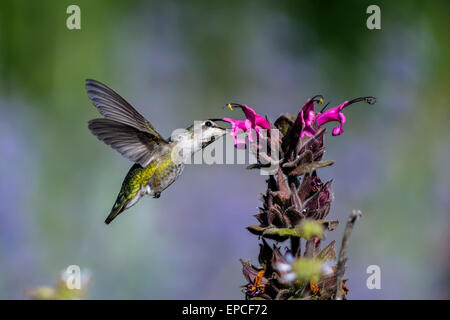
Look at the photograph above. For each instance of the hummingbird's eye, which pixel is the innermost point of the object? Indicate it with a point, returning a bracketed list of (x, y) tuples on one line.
[(208, 123)]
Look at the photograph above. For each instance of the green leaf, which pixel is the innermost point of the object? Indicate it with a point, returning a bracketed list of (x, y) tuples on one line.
[(283, 232), (310, 229)]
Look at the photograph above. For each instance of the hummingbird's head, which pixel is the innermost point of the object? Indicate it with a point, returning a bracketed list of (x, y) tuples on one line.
[(199, 135)]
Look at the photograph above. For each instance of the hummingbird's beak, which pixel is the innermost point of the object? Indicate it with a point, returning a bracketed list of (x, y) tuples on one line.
[(216, 126)]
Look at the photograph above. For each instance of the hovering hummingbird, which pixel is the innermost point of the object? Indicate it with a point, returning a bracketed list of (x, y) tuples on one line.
[(157, 164)]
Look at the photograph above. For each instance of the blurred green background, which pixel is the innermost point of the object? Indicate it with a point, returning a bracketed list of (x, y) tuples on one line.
[(180, 61)]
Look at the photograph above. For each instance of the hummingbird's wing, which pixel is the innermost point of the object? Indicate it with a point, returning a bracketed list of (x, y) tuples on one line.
[(124, 129), (112, 106), (139, 146)]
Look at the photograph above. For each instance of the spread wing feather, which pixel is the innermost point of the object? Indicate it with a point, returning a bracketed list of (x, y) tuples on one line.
[(124, 129), (138, 146), (112, 106)]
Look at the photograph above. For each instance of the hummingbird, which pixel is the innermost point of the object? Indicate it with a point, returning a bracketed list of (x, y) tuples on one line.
[(158, 162)]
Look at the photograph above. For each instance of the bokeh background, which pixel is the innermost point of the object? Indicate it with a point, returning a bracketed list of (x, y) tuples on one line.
[(180, 61)]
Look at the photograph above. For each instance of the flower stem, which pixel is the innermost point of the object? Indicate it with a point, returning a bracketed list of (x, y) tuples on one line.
[(356, 214)]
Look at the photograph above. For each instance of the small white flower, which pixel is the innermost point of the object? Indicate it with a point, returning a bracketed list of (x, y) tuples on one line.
[(289, 257), (283, 267), (327, 268), (288, 277)]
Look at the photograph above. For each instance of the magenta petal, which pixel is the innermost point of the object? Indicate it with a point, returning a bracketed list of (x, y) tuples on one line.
[(236, 123), (307, 116), (254, 118), (238, 143), (337, 131), (252, 122), (334, 114), (261, 121), (248, 124)]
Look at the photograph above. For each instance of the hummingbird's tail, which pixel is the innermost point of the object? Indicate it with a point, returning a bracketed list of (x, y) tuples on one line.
[(117, 209), (131, 191)]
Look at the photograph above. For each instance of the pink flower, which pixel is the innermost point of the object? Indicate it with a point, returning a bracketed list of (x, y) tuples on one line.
[(253, 121), (237, 127), (307, 115)]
